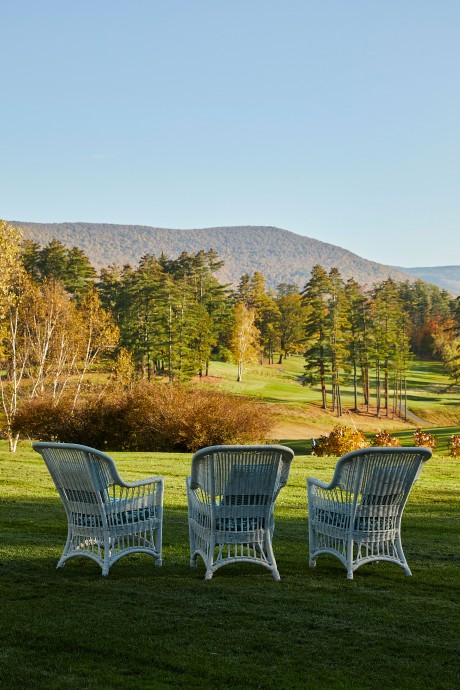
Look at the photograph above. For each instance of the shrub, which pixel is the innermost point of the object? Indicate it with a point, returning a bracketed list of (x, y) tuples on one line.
[(341, 440), (454, 446), (423, 438), (94, 422), (38, 418), (185, 418), (150, 417), (383, 438)]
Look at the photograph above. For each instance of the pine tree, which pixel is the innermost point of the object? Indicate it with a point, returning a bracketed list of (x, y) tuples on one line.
[(293, 315), (317, 329), (339, 335), (357, 350)]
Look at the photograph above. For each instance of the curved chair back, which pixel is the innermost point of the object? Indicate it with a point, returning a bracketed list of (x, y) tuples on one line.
[(379, 476), (231, 497), (82, 475), (357, 517), (107, 518), (224, 471)]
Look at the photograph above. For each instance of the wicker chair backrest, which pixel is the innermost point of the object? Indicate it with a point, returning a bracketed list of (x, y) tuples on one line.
[(225, 471), (80, 473), (380, 475)]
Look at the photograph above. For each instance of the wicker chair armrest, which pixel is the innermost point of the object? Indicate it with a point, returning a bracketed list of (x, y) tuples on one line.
[(197, 499), (192, 485), (311, 481), (140, 482)]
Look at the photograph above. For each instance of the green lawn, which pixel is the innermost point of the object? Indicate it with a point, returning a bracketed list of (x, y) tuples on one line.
[(144, 627), (431, 396)]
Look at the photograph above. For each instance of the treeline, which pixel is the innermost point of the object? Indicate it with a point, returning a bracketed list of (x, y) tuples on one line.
[(282, 256), (170, 317)]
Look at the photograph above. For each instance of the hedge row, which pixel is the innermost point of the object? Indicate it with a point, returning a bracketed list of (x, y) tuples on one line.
[(151, 417)]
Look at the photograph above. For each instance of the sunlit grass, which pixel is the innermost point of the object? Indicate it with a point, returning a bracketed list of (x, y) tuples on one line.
[(431, 394), (144, 627)]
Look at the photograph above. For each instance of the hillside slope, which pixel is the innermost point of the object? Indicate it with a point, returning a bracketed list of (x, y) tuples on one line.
[(447, 277), (281, 255)]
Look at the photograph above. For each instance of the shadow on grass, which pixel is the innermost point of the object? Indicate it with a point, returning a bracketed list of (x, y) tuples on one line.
[(34, 531), (146, 627)]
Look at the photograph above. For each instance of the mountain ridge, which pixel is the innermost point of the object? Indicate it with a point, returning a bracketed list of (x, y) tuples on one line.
[(446, 277), (281, 255)]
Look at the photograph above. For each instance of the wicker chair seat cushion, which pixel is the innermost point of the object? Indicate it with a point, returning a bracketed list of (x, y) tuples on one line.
[(229, 523), (362, 523), (245, 500), (124, 517), (240, 524)]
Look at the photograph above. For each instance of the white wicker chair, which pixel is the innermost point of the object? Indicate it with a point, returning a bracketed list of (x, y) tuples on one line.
[(231, 497), (107, 517), (357, 517)]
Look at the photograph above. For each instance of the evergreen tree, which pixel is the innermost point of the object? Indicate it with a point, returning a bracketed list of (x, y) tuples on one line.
[(292, 319), (56, 262), (355, 298), (386, 329), (30, 254), (317, 329), (80, 274), (52, 261), (339, 335)]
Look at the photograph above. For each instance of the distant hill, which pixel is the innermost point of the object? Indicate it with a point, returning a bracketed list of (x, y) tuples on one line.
[(282, 256), (447, 277)]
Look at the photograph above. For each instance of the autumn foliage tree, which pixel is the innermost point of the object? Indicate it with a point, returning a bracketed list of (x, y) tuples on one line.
[(48, 337), (245, 338)]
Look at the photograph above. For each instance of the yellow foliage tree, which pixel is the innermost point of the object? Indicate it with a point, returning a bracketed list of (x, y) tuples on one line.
[(244, 344)]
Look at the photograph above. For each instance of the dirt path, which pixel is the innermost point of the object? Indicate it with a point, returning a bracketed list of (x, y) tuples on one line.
[(417, 420)]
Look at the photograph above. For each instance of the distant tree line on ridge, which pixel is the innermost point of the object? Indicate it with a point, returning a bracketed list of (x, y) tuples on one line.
[(166, 317)]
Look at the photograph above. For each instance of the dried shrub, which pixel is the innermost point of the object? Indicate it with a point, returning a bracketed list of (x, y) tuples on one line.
[(151, 417), (95, 422), (423, 438), (39, 418), (383, 438), (454, 446), (341, 440), (185, 418)]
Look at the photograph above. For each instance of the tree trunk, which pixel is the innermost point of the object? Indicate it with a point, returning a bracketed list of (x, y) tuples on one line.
[(377, 390), (355, 386), (323, 387), (12, 442)]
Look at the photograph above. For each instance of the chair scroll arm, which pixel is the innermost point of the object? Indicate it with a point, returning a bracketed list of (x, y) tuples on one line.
[(196, 493), (140, 482), (317, 482)]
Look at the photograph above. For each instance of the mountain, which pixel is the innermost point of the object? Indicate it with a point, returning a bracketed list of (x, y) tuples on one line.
[(281, 255), (447, 277)]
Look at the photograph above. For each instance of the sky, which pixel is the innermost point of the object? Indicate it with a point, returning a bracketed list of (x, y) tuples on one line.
[(334, 119)]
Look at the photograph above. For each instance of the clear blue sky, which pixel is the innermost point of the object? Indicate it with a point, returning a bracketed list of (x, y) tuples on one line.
[(336, 119)]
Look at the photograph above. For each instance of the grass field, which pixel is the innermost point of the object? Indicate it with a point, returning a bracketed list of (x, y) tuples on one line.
[(431, 396), (144, 627)]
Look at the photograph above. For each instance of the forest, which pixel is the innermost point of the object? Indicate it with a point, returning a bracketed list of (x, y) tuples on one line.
[(67, 329)]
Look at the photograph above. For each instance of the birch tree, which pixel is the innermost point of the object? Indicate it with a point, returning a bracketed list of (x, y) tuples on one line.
[(244, 344)]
